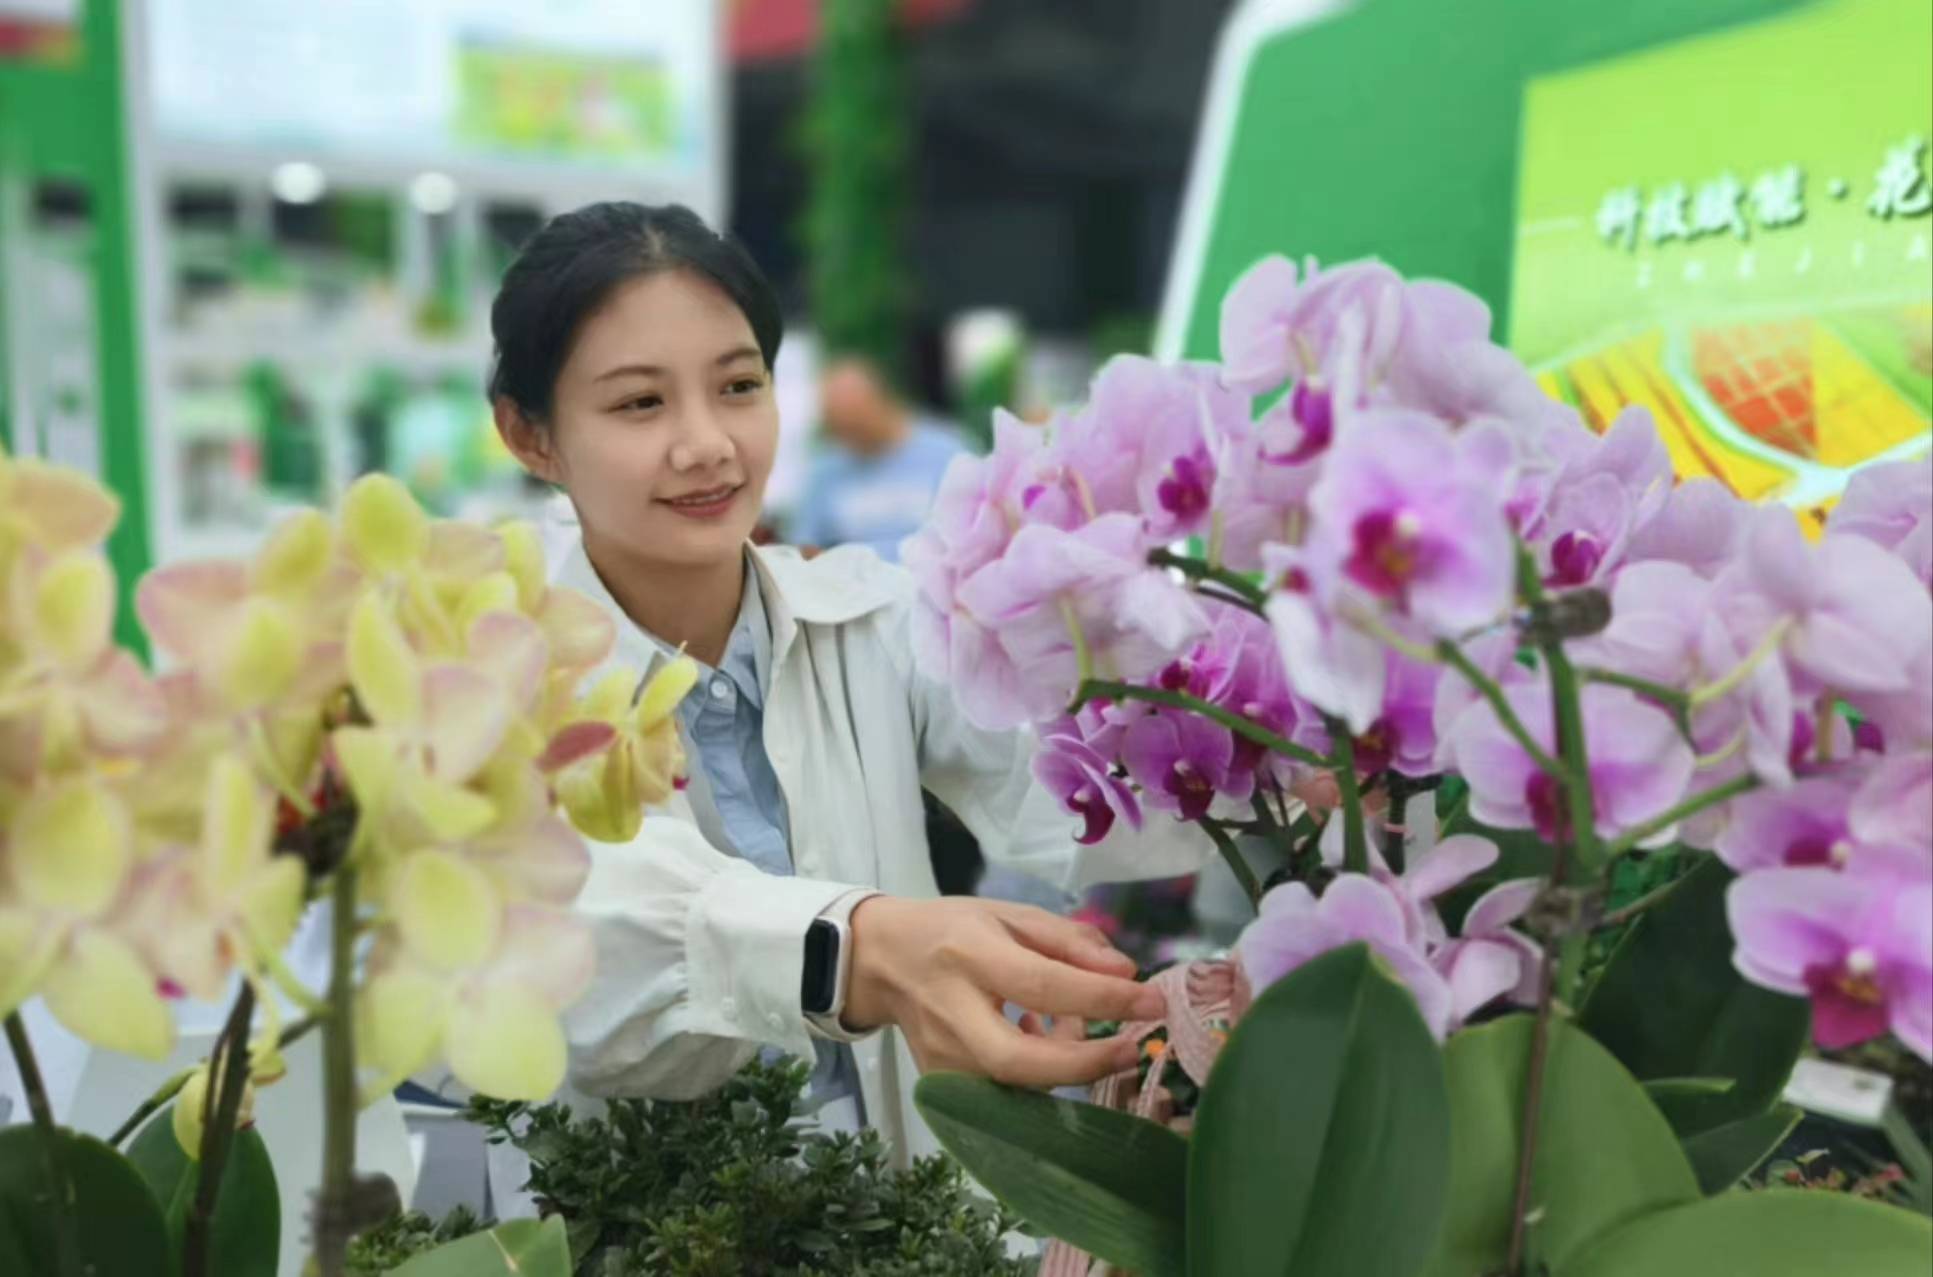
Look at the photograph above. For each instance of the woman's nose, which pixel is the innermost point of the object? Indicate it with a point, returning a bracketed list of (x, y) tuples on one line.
[(702, 443)]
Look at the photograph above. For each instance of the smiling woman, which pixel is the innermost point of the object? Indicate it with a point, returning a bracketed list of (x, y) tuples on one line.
[(786, 897)]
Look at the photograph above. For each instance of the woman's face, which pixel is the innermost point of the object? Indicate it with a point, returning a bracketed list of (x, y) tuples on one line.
[(663, 424)]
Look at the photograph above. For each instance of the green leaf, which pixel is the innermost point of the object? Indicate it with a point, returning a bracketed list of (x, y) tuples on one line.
[(1108, 1182), (1768, 1233), (1322, 1144), (1682, 1098), (1669, 1004), (520, 1248), (121, 1231), (247, 1234), (1605, 1155), (1726, 1154)]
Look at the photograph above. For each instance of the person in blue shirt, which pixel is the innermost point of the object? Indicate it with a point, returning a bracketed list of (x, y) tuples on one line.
[(873, 485)]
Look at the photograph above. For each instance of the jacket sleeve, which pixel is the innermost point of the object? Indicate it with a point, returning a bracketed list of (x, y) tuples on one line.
[(986, 777), (699, 962)]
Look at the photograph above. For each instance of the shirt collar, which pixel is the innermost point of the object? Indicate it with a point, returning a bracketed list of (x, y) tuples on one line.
[(789, 590)]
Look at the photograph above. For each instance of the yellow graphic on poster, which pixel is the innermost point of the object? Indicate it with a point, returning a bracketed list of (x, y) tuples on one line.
[(566, 104), (1733, 231)]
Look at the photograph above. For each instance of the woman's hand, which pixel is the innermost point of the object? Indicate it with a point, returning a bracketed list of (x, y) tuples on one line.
[(943, 970)]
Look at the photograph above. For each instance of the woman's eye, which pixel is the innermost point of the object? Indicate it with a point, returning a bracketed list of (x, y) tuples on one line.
[(745, 386), (643, 403)]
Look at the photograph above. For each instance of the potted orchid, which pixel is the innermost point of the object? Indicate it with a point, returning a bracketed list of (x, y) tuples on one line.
[(1459, 658), (382, 712)]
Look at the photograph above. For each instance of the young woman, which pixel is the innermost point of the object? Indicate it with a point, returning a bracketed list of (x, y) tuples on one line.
[(786, 897)]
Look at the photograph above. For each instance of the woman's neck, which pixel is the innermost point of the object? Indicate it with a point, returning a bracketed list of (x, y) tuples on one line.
[(693, 607)]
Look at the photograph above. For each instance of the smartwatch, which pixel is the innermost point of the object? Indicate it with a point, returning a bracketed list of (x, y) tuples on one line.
[(828, 967)]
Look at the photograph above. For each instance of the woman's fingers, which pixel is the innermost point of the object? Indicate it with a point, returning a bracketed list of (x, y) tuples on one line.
[(1039, 983), (1063, 938), (1006, 1054)]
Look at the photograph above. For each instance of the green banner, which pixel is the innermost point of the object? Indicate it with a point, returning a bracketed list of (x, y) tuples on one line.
[(1734, 231)]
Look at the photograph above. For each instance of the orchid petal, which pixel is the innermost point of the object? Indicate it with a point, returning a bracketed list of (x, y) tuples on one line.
[(236, 820), (447, 911), (180, 605), (382, 667), (295, 555), (464, 719), (504, 1041), (72, 610), (383, 526), (667, 687), (523, 558), (581, 632), (60, 507), (260, 657), (104, 993), (399, 1020), (72, 847)]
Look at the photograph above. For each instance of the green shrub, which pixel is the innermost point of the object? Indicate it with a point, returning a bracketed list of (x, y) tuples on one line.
[(733, 1186)]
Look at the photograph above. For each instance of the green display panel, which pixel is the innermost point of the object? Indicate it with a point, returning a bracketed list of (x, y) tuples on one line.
[(1388, 129), (1748, 253), (64, 177)]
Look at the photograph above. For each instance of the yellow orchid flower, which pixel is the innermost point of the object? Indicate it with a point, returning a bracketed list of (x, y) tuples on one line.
[(71, 853), (229, 901), (190, 1115), (606, 793), (483, 989)]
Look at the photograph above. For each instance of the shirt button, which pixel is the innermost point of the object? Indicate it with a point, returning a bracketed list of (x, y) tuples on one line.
[(776, 1020), (721, 688)]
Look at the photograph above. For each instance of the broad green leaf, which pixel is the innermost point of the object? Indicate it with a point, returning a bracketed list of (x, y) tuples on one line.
[(121, 1231), (1767, 1233), (1322, 1144), (247, 1233), (1726, 1154), (1108, 1182), (1669, 1004), (1605, 1155), (520, 1248), (1685, 1099)]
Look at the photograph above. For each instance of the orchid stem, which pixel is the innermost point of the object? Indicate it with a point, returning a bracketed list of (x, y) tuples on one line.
[(1199, 570), (60, 1188), (339, 1083), (1690, 807), (1532, 1114), (1093, 688), (1678, 702), (1237, 865), (228, 1080), (1355, 839), (1567, 711), (1488, 688)]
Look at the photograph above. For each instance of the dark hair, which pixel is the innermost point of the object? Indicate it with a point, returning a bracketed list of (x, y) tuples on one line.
[(571, 266)]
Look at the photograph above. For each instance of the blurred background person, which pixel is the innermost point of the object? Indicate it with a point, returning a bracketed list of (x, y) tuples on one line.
[(873, 482)]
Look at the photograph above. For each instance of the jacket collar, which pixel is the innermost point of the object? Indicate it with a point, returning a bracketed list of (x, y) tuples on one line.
[(824, 591)]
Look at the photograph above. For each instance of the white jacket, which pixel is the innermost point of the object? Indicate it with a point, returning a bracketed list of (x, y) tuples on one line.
[(700, 955)]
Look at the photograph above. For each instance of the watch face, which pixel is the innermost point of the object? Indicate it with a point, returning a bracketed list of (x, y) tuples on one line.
[(819, 985)]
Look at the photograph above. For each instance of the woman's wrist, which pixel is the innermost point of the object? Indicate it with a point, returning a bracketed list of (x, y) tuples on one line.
[(870, 985)]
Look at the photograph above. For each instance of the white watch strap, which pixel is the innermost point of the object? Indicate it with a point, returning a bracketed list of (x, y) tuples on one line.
[(839, 914)]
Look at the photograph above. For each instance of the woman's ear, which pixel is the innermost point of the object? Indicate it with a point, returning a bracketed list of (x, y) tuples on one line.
[(529, 442)]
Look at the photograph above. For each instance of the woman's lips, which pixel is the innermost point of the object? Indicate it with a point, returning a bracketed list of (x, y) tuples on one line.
[(709, 504)]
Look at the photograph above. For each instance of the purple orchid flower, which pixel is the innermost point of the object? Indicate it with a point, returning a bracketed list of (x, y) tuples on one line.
[(1085, 786), (1027, 603), (1183, 763), (1892, 506), (1700, 524), (1852, 616), (1806, 823), (1294, 926), (1639, 764), (1412, 515), (1333, 666), (1859, 946)]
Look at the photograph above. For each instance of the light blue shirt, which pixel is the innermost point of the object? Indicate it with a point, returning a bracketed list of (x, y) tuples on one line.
[(875, 501), (735, 794)]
